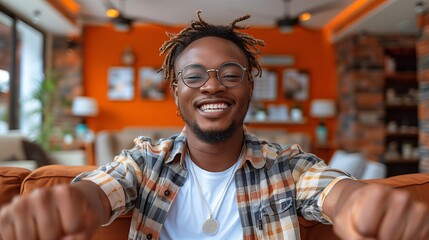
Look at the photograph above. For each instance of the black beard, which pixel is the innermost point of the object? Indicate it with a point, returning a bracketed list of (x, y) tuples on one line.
[(212, 137)]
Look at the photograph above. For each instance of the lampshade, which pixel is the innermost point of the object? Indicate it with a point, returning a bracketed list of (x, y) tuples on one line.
[(322, 108), (84, 106)]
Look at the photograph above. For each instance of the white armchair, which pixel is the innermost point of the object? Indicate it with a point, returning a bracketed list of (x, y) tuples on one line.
[(357, 165), (17, 151)]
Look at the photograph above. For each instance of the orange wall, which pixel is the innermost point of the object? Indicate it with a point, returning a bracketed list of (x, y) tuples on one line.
[(103, 47)]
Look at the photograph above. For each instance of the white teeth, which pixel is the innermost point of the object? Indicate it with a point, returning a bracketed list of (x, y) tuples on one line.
[(214, 107)]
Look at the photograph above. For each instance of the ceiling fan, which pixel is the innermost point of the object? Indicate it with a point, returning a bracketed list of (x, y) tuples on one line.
[(287, 22), (121, 21)]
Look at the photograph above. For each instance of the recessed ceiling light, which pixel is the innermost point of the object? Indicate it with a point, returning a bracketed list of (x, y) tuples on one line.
[(36, 16)]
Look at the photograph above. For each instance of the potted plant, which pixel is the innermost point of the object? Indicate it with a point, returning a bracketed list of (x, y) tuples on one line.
[(45, 94)]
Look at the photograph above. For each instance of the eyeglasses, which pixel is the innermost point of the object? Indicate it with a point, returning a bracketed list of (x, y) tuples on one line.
[(229, 74)]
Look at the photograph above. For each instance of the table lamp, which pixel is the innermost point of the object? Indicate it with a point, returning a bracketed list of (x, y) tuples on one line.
[(84, 107), (322, 109)]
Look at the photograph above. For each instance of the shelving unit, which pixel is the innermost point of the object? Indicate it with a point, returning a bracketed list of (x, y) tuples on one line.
[(401, 112), (378, 107)]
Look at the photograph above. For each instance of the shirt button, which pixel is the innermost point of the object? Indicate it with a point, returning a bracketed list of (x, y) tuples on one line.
[(167, 193), (149, 236)]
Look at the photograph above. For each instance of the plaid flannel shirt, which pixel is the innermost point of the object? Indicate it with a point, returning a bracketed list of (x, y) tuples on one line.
[(274, 185)]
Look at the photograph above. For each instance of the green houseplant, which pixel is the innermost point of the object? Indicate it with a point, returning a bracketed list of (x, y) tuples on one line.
[(45, 94)]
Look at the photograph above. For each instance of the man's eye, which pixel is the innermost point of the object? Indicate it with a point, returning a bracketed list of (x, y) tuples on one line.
[(230, 77), (193, 78)]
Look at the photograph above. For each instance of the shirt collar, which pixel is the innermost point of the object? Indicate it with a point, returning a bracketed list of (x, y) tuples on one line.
[(258, 152), (179, 147), (262, 153)]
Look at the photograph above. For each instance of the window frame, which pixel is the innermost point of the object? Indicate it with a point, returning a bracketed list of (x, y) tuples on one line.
[(14, 81)]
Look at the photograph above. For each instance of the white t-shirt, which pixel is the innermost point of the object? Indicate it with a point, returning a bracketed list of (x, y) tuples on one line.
[(189, 212)]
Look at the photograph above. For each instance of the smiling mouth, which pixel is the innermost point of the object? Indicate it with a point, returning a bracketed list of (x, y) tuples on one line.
[(217, 107)]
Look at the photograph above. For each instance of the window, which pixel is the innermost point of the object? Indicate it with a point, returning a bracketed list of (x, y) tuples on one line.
[(21, 69), (6, 24), (30, 72)]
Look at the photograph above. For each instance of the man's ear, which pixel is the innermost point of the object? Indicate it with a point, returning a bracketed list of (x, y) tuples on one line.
[(174, 91), (251, 85)]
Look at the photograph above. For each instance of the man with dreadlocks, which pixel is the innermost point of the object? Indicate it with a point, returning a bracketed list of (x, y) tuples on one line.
[(214, 180)]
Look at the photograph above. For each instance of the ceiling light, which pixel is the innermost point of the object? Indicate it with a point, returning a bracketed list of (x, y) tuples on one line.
[(122, 24), (112, 12), (420, 8), (286, 24), (305, 16)]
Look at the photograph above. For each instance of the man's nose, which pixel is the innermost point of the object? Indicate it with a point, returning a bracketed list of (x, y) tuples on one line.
[(213, 84)]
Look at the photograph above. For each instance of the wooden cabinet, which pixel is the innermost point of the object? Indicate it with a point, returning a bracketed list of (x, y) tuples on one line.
[(86, 146)]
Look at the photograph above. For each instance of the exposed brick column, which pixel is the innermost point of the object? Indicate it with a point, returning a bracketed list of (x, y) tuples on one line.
[(422, 49)]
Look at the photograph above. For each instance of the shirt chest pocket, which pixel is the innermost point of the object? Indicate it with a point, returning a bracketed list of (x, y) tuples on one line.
[(276, 207), (277, 219)]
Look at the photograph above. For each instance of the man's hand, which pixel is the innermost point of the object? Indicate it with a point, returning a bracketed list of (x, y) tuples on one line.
[(379, 212), (60, 212)]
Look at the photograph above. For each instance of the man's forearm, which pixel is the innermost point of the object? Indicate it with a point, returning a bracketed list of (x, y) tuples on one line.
[(97, 199), (339, 195)]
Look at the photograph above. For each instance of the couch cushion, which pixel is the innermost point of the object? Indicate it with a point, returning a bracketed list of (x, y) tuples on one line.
[(51, 175), (10, 182)]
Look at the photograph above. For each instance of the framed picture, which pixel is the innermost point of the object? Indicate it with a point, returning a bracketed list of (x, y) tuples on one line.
[(121, 83), (295, 84), (265, 87), (152, 84)]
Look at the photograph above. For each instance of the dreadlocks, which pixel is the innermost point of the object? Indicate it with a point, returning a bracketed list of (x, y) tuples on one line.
[(199, 29)]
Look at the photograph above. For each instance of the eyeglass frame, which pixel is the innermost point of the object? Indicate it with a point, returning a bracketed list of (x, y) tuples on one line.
[(212, 70)]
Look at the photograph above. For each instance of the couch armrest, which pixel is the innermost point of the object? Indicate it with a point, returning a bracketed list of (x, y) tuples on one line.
[(10, 182), (416, 184), (51, 175)]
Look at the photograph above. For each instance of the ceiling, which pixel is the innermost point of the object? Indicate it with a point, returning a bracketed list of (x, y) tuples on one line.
[(393, 16), (264, 12)]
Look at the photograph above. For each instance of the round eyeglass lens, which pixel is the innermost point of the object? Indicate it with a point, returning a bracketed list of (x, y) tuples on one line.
[(230, 74), (194, 76)]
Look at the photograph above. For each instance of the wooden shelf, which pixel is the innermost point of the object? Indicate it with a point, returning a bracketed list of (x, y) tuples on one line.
[(405, 135), (401, 161), (401, 106), (275, 122), (402, 76)]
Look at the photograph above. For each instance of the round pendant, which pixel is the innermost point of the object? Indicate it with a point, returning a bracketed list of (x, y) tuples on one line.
[(211, 226)]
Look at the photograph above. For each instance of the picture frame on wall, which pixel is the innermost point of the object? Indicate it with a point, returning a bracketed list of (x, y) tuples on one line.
[(120, 83), (265, 87), (151, 84), (296, 84)]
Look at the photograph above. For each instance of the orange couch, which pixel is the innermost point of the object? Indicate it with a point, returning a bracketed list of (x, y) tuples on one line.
[(15, 181)]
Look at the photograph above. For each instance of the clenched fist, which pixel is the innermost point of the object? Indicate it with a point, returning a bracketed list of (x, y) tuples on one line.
[(60, 212), (380, 212)]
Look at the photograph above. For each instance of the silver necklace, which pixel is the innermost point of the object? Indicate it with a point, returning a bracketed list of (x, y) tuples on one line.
[(211, 225)]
